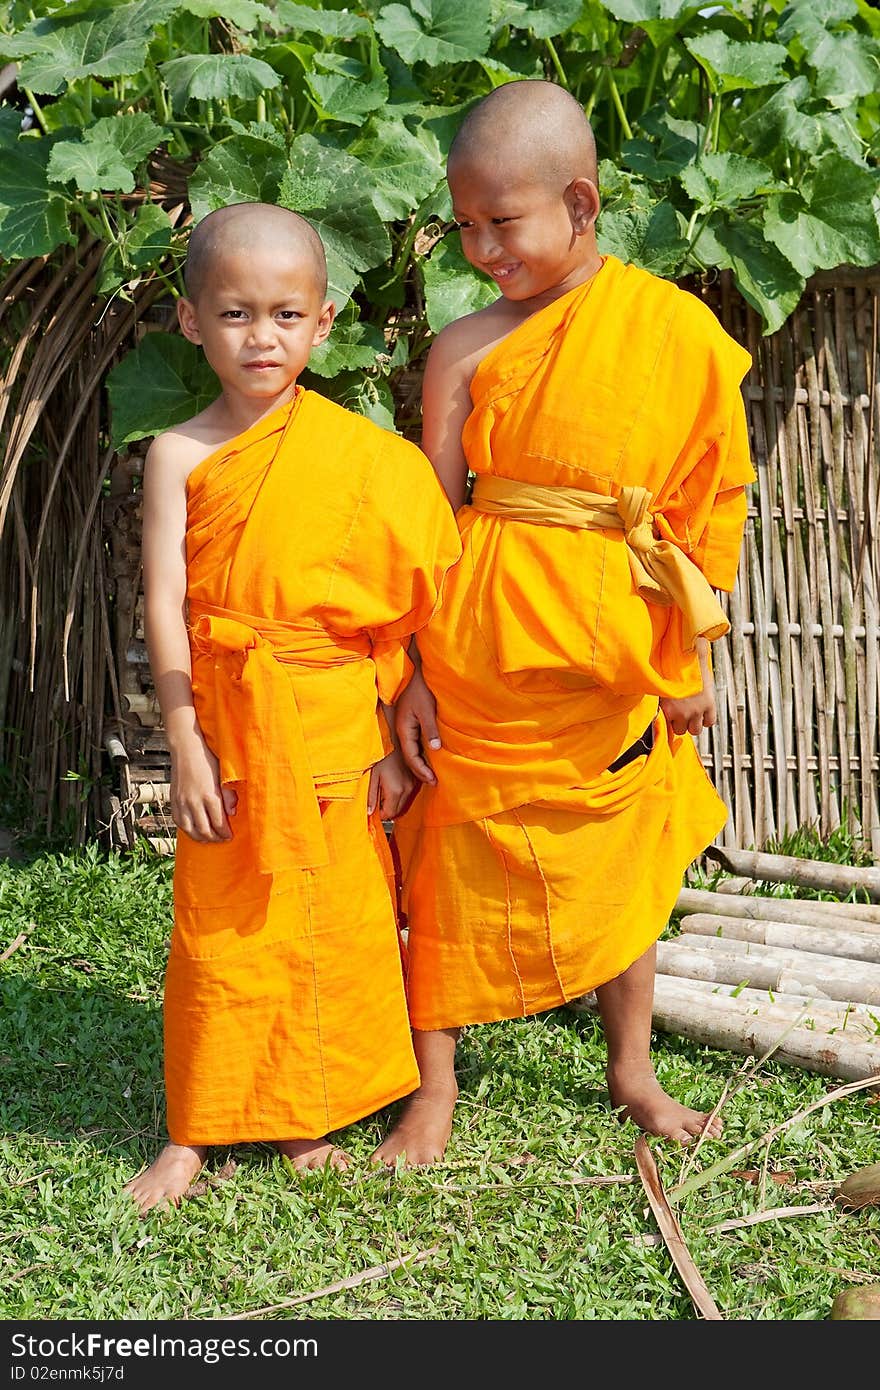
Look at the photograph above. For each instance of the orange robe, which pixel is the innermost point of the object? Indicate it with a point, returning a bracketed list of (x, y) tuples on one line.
[(316, 544), (533, 873)]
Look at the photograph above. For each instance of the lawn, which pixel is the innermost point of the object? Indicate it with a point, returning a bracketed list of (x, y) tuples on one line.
[(537, 1212)]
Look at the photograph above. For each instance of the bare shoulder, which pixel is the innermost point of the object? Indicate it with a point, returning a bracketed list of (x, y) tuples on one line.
[(459, 348), (175, 452)]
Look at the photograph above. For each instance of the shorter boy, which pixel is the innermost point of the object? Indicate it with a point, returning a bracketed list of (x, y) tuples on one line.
[(290, 549)]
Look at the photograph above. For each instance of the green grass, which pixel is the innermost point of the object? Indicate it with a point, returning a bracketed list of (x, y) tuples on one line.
[(516, 1222)]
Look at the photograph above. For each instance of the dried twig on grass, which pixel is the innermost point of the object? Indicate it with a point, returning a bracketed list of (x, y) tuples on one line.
[(736, 1223), (365, 1276), (14, 945), (671, 1233)]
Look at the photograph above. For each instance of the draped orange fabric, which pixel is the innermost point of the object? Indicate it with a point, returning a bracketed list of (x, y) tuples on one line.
[(532, 872), (316, 544)]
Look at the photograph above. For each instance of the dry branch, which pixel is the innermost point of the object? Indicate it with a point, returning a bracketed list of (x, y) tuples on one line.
[(765, 909), (671, 1233), (829, 941)]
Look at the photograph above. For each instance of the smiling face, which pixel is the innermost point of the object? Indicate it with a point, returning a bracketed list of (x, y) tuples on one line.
[(259, 312), (534, 238)]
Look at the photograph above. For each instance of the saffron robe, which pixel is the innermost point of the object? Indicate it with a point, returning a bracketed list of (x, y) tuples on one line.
[(316, 545), (532, 873)]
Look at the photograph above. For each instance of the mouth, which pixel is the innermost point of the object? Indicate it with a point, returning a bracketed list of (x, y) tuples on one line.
[(501, 273), (261, 366)]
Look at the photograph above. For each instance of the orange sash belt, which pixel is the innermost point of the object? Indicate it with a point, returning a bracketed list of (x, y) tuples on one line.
[(259, 726), (662, 572)]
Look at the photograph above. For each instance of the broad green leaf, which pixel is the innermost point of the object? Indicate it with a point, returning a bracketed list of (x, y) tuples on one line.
[(216, 76), (345, 97), (162, 382), (808, 20), (659, 18), (351, 345), (498, 73), (651, 239), (675, 144), (832, 219), (90, 164), (33, 217), (405, 170), (544, 20), (107, 155), (781, 123), (241, 170), (764, 277), (335, 192), (244, 14), (436, 31), (618, 187), (329, 23), (846, 66), (259, 130), (452, 286), (726, 180), (108, 43), (734, 65)]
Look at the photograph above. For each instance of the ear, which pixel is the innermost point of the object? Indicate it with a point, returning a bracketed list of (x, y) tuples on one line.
[(582, 200), (188, 320), (325, 322)]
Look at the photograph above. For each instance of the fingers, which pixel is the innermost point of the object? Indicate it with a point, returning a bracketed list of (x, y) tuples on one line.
[(409, 733), (373, 790), (230, 800), (202, 819)]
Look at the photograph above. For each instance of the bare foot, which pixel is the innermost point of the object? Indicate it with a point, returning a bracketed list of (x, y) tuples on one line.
[(313, 1153), (422, 1132), (638, 1095), (167, 1178)]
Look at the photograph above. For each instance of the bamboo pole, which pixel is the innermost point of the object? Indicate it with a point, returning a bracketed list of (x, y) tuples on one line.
[(789, 972), (764, 909), (807, 873), (828, 941), (858, 1021)]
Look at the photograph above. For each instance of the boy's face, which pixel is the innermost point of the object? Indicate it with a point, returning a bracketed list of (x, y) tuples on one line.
[(257, 317), (527, 237)]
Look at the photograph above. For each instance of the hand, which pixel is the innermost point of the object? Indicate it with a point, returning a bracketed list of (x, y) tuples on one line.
[(200, 806), (416, 716), (695, 712), (391, 786)]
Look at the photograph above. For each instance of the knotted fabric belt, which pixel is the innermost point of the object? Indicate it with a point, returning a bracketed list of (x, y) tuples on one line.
[(259, 727), (662, 573)]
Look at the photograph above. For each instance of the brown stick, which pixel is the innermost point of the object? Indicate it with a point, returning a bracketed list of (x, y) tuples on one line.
[(806, 873), (671, 1233), (14, 945), (828, 941), (764, 909), (352, 1282)]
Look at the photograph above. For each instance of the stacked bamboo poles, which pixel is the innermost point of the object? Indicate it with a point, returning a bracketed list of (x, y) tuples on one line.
[(795, 978), (796, 742)]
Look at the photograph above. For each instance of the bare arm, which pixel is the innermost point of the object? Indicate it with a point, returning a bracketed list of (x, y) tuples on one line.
[(197, 802), (694, 713), (446, 404)]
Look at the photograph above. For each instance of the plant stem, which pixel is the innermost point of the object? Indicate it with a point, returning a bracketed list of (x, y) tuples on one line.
[(594, 95), (659, 53), (554, 58), (619, 108), (35, 107)]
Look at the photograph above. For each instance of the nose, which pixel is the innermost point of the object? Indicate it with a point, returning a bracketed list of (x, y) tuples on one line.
[(485, 245), (262, 332)]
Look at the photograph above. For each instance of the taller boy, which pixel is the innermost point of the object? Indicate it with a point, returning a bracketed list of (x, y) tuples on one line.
[(600, 409)]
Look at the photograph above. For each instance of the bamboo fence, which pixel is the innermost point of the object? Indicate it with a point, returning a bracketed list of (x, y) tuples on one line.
[(796, 741)]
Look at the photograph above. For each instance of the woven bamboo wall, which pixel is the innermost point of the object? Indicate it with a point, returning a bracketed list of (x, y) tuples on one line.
[(796, 742)]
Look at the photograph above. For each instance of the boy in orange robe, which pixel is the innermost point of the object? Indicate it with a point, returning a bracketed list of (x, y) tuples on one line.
[(290, 549), (567, 668)]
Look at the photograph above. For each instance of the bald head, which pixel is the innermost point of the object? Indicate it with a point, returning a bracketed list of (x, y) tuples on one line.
[(535, 127), (249, 227)]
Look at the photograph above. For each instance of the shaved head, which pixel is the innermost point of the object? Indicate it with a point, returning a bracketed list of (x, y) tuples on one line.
[(536, 127), (245, 227)]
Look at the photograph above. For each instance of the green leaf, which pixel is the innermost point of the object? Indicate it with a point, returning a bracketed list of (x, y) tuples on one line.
[(347, 96), (108, 43), (651, 238), (543, 19), (162, 382), (335, 192), (243, 169), (675, 144), (107, 155), (764, 277), (33, 217), (734, 65), (244, 14), (329, 23), (351, 345), (659, 18), (725, 180), (780, 123), (846, 65), (216, 76), (436, 31), (831, 220), (405, 170), (452, 286), (146, 242)]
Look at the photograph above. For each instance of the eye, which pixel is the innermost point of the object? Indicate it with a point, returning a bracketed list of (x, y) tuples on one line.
[(287, 315), (234, 314), (463, 226), (499, 221)]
